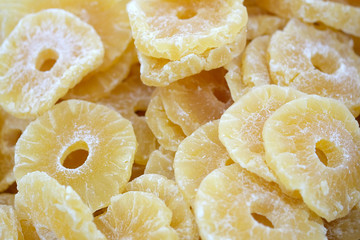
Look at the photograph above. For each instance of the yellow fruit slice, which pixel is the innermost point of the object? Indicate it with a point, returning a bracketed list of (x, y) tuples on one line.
[(183, 221), (234, 78), (316, 61), (43, 57), (312, 145), (131, 99), (161, 72), (7, 199), (168, 134), (10, 227), (241, 126), (190, 110), (54, 209), (84, 145), (232, 203), (192, 27), (136, 215), (197, 156), (161, 162)]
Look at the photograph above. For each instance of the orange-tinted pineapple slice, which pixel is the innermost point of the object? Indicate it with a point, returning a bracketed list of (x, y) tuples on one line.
[(10, 227), (232, 203), (192, 27), (85, 145), (183, 220), (54, 210), (136, 215), (161, 162), (312, 145), (44, 56)]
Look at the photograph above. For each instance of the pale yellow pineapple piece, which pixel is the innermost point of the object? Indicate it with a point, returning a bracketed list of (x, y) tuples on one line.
[(84, 145), (136, 215), (7, 198), (9, 225), (161, 162), (53, 209), (312, 145), (197, 156), (183, 221), (314, 61), (241, 126), (232, 203), (44, 56), (234, 78), (174, 29)]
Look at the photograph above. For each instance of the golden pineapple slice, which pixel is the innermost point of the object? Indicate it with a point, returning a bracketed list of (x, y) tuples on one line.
[(10, 227), (161, 162), (162, 72), (197, 156), (84, 145), (183, 221), (241, 126), (44, 56), (189, 110), (131, 99), (7, 198), (136, 215), (168, 134), (192, 27), (232, 203), (28, 230), (312, 145), (316, 61), (53, 209)]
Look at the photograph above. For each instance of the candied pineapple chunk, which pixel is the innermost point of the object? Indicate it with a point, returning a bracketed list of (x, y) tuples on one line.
[(44, 56), (312, 145), (232, 203), (10, 227), (136, 215), (183, 221), (53, 209), (161, 162), (84, 145)]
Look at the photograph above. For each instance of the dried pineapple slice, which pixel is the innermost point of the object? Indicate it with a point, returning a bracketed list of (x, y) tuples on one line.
[(232, 203), (197, 156), (7, 198), (85, 145), (46, 54), (190, 110), (183, 220), (312, 145), (136, 215), (161, 162), (10, 227), (234, 78), (241, 126), (162, 72), (316, 61), (192, 27), (54, 210), (168, 134), (131, 99)]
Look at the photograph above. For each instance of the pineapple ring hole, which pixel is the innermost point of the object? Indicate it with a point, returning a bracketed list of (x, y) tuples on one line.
[(11, 137), (221, 95), (328, 154), (46, 60), (326, 64), (262, 219), (187, 13), (76, 155)]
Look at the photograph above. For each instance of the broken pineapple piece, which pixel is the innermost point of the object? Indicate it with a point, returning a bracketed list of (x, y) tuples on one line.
[(161, 162)]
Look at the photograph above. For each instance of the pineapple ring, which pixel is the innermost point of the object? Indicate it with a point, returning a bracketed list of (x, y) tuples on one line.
[(136, 215), (45, 55), (320, 62), (10, 227), (241, 126), (53, 209), (84, 145), (232, 203), (321, 160), (161, 162), (183, 220), (192, 27)]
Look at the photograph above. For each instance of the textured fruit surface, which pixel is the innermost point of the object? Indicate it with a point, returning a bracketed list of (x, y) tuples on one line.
[(316, 61), (233, 203), (321, 158), (191, 26), (136, 215), (85, 145), (7, 198), (197, 156), (10, 227), (53, 209), (234, 78), (161, 162), (190, 110), (182, 220), (241, 126), (44, 56)]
